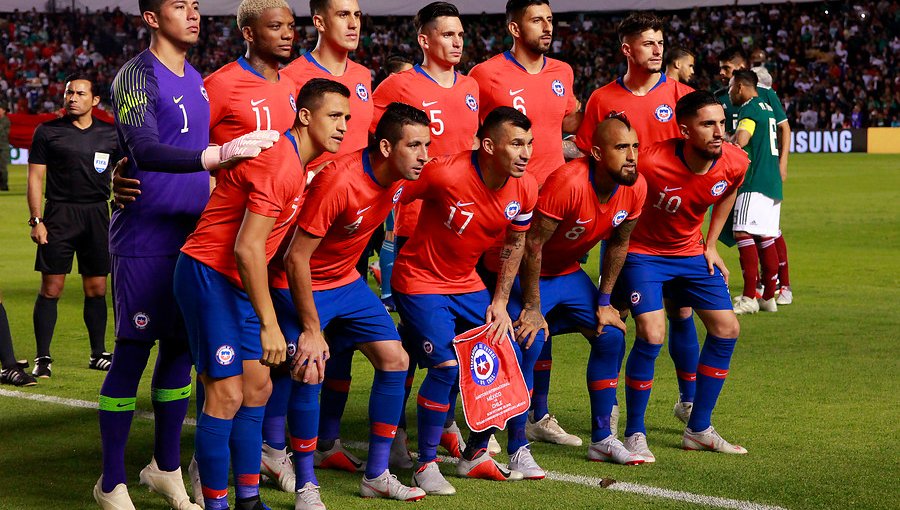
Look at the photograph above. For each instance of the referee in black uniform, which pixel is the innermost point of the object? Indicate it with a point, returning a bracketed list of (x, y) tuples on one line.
[(77, 154)]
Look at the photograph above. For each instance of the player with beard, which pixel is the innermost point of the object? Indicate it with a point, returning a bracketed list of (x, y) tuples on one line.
[(685, 176), (588, 199), (542, 88), (679, 64)]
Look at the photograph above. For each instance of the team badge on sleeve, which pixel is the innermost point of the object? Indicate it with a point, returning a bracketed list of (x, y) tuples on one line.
[(558, 88), (225, 355), (101, 162), (663, 113), (719, 188), (397, 195), (512, 209), (619, 217), (293, 102), (205, 95), (471, 102), (362, 92)]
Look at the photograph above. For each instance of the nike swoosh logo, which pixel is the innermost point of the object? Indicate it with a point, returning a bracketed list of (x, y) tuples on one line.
[(426, 104), (514, 92), (122, 405), (460, 204), (668, 189), (720, 374), (360, 211), (431, 406), (644, 386), (177, 99), (305, 446), (583, 222), (185, 393), (258, 101)]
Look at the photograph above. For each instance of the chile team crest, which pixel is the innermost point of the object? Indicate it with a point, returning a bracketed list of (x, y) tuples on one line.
[(719, 188), (558, 88), (362, 92), (484, 364), (663, 113), (512, 209), (397, 195), (293, 102), (225, 355), (619, 217), (471, 102), (205, 95)]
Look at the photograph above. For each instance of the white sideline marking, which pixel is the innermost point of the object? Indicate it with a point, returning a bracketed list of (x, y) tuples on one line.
[(587, 481)]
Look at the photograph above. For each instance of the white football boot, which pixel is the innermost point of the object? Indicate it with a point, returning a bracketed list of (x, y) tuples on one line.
[(637, 443), (277, 466), (387, 486), (612, 450), (116, 499), (548, 430), (523, 462), (428, 477), (168, 484), (709, 440)]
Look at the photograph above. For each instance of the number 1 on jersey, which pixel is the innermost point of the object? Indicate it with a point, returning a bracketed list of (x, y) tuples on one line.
[(184, 114)]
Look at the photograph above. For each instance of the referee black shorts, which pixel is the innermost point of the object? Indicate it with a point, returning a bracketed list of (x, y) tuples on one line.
[(75, 229)]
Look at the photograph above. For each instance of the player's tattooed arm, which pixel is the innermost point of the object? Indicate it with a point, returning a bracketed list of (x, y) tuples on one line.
[(308, 364), (530, 321), (510, 259), (613, 260), (570, 150), (250, 255)]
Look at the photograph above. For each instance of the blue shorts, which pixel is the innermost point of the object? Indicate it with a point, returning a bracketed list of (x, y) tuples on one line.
[(433, 320), (686, 280), (222, 327), (143, 299), (568, 302), (349, 315)]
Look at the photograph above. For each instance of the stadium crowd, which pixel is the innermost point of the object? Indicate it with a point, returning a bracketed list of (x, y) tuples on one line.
[(833, 63)]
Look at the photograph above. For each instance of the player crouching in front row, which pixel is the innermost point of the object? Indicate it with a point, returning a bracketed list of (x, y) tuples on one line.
[(221, 285)]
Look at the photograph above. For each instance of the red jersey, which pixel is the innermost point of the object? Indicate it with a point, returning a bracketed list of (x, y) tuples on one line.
[(569, 198), (356, 78), (460, 219), (677, 198), (269, 185), (454, 120), (343, 205), (652, 115), (546, 98), (241, 101)]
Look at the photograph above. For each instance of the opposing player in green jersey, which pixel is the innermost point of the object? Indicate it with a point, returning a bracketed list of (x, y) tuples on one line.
[(758, 205)]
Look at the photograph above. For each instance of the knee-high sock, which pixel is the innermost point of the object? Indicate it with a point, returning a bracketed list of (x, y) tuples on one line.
[(638, 382), (527, 358), (276, 410), (539, 404), (749, 264), (44, 318), (386, 262), (303, 421), (684, 348), (117, 402), (715, 358), (407, 389), (768, 256), (7, 355), (603, 379), (431, 409), (213, 453), (94, 314), (784, 278), (451, 402), (171, 394), (385, 404), (335, 391), (246, 450)]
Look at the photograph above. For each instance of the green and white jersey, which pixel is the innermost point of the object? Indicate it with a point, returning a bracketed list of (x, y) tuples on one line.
[(731, 111), (757, 117)]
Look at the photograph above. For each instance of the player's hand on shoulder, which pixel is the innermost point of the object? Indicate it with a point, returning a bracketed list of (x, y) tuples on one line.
[(231, 153), (609, 316), (527, 326), (308, 365), (125, 190), (273, 346)]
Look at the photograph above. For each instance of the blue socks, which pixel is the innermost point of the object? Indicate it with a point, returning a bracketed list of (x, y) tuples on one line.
[(712, 370), (432, 406), (685, 351), (603, 379), (638, 382), (541, 391), (246, 450), (304, 423), (385, 405), (212, 453), (276, 411), (335, 391), (386, 262)]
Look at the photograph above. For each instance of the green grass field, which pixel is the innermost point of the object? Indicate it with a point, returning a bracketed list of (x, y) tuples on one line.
[(809, 393)]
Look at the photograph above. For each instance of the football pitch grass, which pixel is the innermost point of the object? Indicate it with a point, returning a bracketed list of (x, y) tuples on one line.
[(811, 393)]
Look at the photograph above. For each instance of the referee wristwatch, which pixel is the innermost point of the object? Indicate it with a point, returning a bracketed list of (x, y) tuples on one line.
[(35, 221)]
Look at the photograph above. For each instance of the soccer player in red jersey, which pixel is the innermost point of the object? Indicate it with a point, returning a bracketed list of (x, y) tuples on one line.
[(250, 94), (685, 176), (588, 199), (346, 202), (469, 199), (541, 88), (338, 23), (222, 289)]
